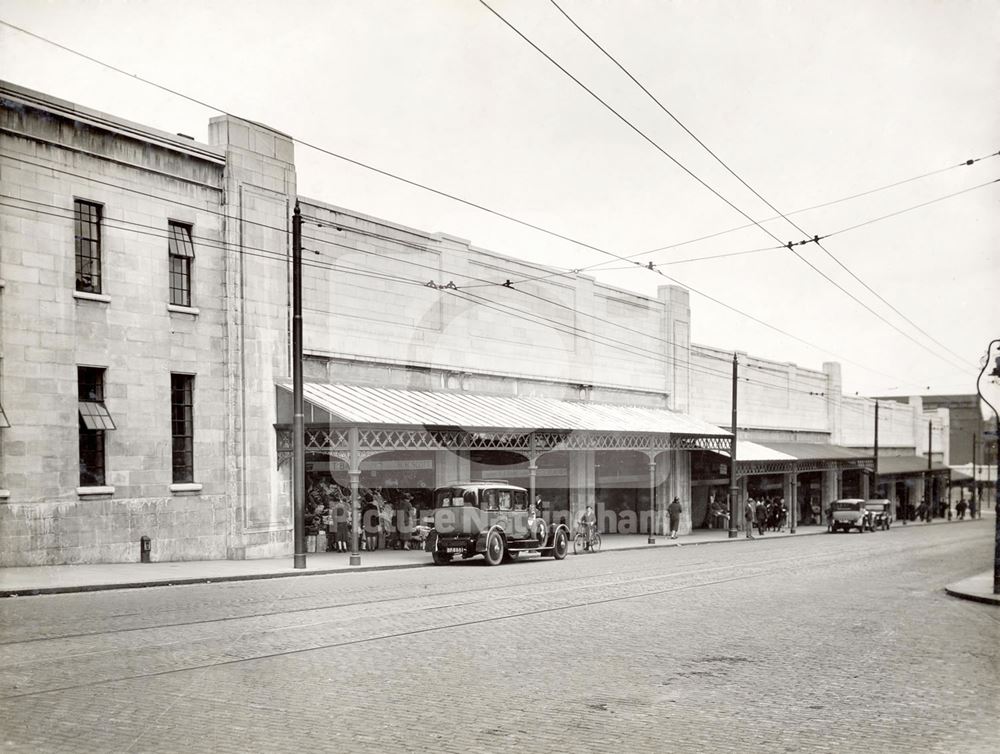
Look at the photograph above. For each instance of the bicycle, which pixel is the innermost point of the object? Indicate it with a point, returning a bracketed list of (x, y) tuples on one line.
[(587, 541)]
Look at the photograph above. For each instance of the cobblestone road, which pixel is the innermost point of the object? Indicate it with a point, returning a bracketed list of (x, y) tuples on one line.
[(841, 643)]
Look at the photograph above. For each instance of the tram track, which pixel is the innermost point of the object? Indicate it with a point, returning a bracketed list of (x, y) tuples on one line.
[(548, 589), (759, 568), (295, 610), (616, 580), (371, 639)]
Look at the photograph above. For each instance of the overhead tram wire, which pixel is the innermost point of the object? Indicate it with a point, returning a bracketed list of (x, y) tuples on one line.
[(830, 203), (362, 232), (661, 150), (66, 213), (756, 193), (283, 257), (249, 251), (589, 335), (63, 213), (725, 375), (414, 245), (600, 266), (430, 189), (780, 215)]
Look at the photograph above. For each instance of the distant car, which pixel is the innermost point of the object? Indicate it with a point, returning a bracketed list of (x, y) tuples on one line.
[(492, 519), (880, 512), (851, 513)]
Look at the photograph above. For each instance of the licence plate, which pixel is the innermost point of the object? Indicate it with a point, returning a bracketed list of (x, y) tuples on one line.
[(456, 549)]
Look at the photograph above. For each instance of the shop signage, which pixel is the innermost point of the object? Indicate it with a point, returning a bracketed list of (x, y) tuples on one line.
[(371, 465), (511, 473)]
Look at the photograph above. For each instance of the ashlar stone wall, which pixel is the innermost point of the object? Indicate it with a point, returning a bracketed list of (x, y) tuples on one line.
[(53, 153)]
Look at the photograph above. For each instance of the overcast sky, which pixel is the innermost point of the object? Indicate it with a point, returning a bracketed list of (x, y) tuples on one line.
[(808, 102)]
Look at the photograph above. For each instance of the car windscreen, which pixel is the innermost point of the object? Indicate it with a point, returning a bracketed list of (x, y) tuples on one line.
[(452, 497), (846, 506)]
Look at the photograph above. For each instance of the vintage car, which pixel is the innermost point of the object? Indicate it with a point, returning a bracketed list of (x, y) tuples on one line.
[(848, 514), (880, 512), (492, 519)]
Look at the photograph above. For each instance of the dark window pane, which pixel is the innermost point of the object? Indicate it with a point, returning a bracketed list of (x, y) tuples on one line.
[(182, 426), (180, 281), (90, 381), (91, 458), (87, 231)]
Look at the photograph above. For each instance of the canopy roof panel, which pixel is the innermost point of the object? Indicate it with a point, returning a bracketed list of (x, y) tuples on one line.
[(907, 465), (751, 451), (814, 451), (396, 407)]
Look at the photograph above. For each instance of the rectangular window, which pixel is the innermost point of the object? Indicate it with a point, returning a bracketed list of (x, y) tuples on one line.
[(181, 250), (87, 218), (94, 421), (182, 426)]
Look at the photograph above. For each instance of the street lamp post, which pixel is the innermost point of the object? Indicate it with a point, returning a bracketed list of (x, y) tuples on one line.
[(996, 489)]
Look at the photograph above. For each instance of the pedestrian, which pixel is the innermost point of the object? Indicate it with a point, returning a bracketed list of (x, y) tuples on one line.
[(748, 515), (960, 509), (761, 515), (674, 511), (370, 523), (404, 524)]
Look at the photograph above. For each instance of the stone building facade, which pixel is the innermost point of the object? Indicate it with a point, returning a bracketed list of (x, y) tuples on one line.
[(149, 325), (145, 297)]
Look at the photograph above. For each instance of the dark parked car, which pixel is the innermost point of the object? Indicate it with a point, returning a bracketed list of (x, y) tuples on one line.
[(492, 519)]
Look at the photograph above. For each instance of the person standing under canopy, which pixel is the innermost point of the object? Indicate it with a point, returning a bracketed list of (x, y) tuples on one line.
[(674, 511)]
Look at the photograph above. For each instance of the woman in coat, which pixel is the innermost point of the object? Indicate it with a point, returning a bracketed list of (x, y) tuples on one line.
[(674, 511)]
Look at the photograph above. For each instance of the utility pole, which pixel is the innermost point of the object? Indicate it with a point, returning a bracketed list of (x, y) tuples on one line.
[(975, 486), (298, 414), (875, 457), (733, 489), (928, 502)]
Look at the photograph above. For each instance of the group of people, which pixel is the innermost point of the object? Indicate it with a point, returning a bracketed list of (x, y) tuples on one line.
[(388, 518), (765, 513)]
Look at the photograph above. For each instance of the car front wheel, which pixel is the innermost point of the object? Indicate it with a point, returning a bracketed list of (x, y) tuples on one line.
[(560, 545), (494, 549)]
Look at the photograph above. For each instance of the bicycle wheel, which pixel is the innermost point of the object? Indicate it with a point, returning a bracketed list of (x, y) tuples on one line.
[(595, 543), (579, 543)]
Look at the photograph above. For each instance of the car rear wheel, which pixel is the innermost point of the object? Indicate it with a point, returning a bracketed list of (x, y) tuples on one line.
[(560, 545), (494, 554)]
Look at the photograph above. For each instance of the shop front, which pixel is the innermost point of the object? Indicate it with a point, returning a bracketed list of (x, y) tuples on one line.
[(914, 486), (800, 478), (388, 445), (709, 490)]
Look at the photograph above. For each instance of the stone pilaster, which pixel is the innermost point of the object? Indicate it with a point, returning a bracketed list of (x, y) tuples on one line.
[(676, 334), (834, 401), (259, 198)]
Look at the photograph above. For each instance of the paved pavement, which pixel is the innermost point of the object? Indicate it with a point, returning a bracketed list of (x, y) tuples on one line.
[(978, 588), (840, 643), (23, 581), (56, 579)]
